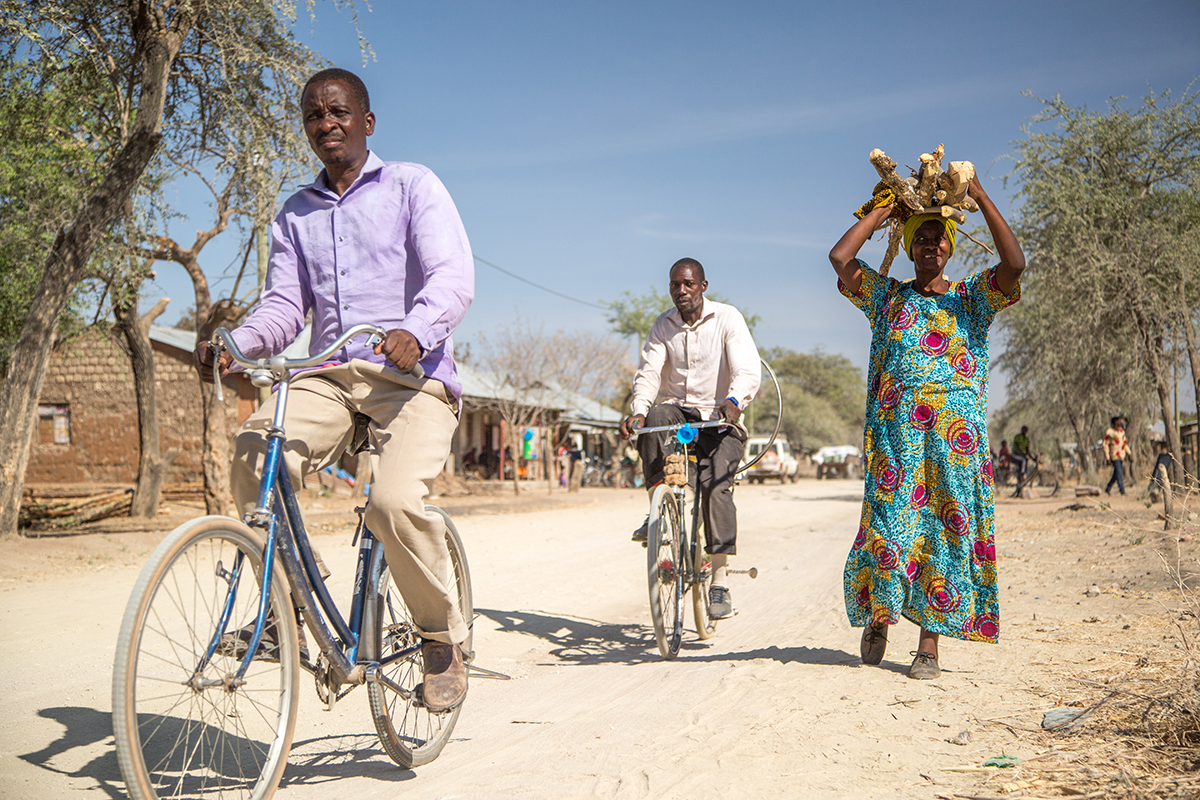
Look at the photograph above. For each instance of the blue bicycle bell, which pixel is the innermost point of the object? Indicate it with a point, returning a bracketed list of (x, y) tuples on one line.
[(686, 435)]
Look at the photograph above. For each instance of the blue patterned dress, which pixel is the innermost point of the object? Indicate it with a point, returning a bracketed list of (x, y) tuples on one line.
[(926, 545)]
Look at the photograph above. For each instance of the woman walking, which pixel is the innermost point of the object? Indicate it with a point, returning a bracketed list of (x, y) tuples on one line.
[(925, 548)]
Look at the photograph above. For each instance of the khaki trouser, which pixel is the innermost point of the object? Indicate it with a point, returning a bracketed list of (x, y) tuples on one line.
[(412, 423)]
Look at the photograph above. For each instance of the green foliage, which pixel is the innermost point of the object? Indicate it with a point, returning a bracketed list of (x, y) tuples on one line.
[(824, 399), (46, 164), (1109, 219)]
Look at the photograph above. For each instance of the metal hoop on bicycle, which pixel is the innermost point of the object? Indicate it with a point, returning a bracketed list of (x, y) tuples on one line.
[(778, 419)]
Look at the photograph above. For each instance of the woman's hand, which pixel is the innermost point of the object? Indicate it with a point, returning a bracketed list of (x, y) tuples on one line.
[(1012, 259), (975, 188), (844, 253)]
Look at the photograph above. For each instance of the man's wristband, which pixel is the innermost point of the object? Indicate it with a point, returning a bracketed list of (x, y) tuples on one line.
[(734, 401)]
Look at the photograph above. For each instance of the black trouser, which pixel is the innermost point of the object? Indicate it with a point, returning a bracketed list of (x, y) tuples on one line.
[(1118, 476), (718, 452)]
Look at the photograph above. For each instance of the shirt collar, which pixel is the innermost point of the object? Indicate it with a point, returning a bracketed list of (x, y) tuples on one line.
[(372, 165), (707, 309)]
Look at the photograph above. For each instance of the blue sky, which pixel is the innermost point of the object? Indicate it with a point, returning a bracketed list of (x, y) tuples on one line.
[(589, 146)]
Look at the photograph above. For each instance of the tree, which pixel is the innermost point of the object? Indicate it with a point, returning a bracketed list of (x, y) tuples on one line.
[(529, 374), (41, 179), (177, 74), (1108, 215), (824, 398)]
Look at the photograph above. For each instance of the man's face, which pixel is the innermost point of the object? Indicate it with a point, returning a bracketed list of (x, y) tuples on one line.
[(687, 290), (335, 124)]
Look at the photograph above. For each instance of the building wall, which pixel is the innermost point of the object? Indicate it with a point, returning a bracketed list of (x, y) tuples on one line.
[(91, 379)]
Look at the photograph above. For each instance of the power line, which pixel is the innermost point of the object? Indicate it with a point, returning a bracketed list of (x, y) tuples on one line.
[(539, 286)]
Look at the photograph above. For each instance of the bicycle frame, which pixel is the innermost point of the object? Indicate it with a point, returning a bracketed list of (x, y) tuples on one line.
[(278, 513), (684, 434)]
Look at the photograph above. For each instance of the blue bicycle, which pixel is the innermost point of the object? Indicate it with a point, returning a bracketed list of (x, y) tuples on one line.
[(206, 678)]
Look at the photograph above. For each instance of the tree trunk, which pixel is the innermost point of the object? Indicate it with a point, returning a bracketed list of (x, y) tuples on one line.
[(64, 269), (1083, 449), (152, 467), (514, 438), (215, 457), (73, 249), (1153, 344)]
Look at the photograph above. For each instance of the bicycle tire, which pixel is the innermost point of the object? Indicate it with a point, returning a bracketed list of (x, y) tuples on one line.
[(410, 734), (702, 569), (174, 740), (665, 571)]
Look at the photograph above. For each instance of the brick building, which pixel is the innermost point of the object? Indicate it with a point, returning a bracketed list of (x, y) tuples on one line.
[(87, 413)]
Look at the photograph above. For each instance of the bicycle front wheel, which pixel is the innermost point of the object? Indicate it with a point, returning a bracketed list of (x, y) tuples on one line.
[(184, 730), (411, 735), (665, 570), (702, 572)]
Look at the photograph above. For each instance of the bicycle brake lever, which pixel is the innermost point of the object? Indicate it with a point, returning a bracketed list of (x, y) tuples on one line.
[(217, 373)]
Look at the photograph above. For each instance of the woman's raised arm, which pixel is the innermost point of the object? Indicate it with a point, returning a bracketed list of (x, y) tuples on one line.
[(1012, 259), (843, 254)]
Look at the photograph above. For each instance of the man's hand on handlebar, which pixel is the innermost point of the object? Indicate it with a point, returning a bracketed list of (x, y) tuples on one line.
[(630, 423), (401, 349), (730, 412), (202, 358)]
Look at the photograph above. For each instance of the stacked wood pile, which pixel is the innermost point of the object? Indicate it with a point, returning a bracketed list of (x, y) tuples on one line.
[(928, 190), (59, 508)]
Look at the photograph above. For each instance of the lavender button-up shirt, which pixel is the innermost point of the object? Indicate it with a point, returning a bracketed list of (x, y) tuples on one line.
[(391, 251)]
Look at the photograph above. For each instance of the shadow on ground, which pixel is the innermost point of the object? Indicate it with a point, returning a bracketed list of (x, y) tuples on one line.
[(311, 761), (587, 642)]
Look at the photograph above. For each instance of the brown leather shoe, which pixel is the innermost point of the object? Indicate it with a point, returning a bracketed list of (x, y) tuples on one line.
[(445, 676), (873, 644)]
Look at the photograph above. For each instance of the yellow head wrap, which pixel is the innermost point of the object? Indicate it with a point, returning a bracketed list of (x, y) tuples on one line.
[(917, 220)]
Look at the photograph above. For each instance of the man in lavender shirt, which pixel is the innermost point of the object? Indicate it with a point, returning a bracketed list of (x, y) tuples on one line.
[(382, 243)]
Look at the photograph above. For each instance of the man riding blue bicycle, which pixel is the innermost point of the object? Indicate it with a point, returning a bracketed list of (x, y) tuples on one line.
[(369, 242), (699, 363)]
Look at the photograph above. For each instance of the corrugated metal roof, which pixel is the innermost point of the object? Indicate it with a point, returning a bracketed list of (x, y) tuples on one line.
[(476, 383), (174, 337)]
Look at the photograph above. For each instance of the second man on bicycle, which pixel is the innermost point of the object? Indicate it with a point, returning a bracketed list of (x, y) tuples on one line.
[(699, 363)]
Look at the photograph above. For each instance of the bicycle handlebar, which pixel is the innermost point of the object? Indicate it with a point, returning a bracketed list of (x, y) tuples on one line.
[(277, 368), (633, 434)]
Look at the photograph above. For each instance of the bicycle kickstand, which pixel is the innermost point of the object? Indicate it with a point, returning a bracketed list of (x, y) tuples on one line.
[(752, 572)]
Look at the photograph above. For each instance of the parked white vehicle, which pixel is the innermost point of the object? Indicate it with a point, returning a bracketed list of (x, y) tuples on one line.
[(842, 461), (777, 462)]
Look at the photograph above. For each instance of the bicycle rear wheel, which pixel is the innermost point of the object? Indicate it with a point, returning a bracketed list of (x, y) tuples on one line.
[(186, 733), (410, 734), (702, 571), (664, 562)]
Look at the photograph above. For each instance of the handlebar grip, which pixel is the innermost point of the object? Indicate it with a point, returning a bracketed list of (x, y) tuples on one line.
[(417, 371)]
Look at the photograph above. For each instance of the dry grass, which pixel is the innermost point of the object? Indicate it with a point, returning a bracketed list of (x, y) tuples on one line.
[(1137, 734)]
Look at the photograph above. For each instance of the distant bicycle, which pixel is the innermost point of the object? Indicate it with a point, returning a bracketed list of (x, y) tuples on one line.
[(1037, 476)]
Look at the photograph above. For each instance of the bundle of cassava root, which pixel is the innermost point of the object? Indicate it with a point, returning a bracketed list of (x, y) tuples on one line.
[(929, 190)]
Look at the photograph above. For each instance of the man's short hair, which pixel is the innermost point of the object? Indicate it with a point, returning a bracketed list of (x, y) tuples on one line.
[(345, 76), (690, 262)]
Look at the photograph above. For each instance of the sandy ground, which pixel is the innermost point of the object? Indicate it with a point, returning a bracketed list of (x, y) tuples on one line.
[(777, 704)]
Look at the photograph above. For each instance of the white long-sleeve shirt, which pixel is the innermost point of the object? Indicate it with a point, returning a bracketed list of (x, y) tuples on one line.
[(698, 365)]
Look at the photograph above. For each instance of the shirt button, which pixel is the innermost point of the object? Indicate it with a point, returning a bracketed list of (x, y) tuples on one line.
[(341, 238), (345, 308), (343, 272)]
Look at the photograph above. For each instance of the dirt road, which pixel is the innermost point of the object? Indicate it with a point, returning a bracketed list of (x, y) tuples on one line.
[(777, 704)]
